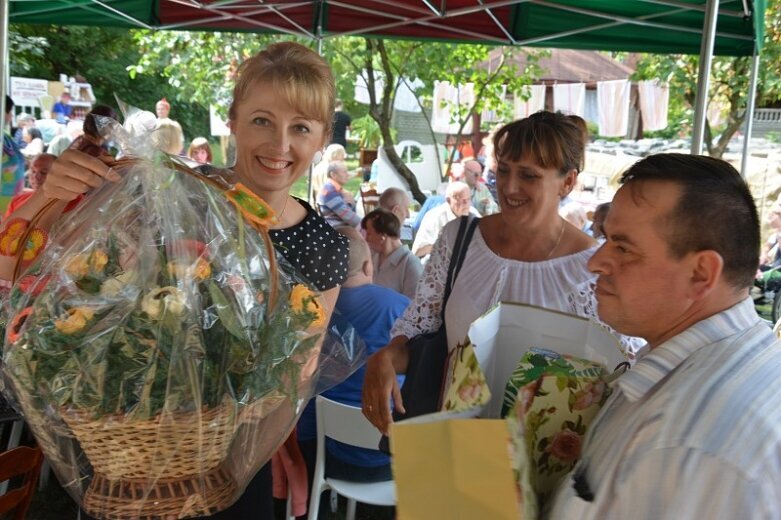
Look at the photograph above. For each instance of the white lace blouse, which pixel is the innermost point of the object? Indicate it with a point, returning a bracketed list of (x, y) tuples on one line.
[(563, 284)]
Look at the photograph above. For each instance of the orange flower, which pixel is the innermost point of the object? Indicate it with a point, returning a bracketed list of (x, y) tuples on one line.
[(30, 284), (304, 300), (201, 270), (98, 260), (35, 244), (251, 206), (74, 320), (15, 329), (77, 266), (10, 235)]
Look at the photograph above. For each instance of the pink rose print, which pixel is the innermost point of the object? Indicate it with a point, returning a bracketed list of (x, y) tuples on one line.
[(565, 446)]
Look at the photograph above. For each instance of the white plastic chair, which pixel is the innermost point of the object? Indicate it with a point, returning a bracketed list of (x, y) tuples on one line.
[(346, 424)]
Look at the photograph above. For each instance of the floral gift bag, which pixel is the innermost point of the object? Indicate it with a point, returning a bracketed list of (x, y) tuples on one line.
[(555, 397)]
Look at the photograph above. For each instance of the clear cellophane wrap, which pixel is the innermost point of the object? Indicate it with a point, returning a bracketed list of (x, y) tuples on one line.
[(158, 347)]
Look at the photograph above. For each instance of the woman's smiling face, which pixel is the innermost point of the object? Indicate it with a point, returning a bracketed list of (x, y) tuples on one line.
[(275, 142)]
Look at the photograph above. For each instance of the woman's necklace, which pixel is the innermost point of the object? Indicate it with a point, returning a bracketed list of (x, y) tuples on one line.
[(558, 241), (281, 213)]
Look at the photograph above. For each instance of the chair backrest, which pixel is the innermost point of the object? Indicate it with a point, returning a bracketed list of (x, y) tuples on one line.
[(16, 462), (370, 199), (345, 423)]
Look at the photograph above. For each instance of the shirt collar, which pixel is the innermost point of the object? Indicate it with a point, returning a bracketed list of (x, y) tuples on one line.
[(656, 364), (397, 255)]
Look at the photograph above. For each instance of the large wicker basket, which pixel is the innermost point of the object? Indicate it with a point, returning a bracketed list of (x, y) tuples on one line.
[(168, 445)]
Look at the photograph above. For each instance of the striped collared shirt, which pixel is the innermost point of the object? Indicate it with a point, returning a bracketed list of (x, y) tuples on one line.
[(692, 431)]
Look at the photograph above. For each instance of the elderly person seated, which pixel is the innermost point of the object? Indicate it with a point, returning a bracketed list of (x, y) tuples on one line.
[(395, 267), (458, 197), (397, 202), (335, 204), (482, 199)]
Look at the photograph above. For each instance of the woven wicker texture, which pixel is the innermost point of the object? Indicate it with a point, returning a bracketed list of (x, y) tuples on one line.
[(166, 446), (141, 499)]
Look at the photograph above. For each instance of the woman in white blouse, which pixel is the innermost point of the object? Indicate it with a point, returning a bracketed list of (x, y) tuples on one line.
[(526, 253)]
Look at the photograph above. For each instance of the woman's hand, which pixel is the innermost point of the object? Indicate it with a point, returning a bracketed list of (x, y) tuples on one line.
[(75, 173), (380, 383)]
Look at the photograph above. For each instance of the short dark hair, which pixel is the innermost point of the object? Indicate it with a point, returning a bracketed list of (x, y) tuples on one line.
[(91, 123), (383, 221), (9, 104), (33, 132), (715, 211), (550, 139)]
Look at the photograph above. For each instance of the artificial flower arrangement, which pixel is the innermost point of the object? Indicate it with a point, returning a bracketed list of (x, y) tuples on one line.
[(157, 346)]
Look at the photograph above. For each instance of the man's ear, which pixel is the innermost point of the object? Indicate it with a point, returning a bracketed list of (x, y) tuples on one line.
[(368, 269), (706, 272)]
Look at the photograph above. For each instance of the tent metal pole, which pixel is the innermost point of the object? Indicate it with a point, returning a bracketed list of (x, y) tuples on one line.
[(703, 78), (752, 97), (5, 80)]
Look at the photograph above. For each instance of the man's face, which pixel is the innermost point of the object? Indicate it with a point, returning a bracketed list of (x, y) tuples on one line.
[(641, 289), (39, 169), (460, 202), (401, 210), (65, 99), (472, 172), (162, 109)]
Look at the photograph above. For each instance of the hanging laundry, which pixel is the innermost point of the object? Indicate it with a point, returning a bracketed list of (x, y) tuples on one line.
[(405, 100), (535, 103), (654, 100), (570, 98), (613, 107), (445, 97)]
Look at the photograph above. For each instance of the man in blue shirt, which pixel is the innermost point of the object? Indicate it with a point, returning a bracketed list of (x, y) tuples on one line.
[(62, 109), (371, 310)]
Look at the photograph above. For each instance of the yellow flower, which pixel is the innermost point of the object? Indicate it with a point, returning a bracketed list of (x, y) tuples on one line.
[(113, 286), (201, 270), (177, 269), (74, 320), (304, 300), (163, 299), (98, 260), (77, 266)]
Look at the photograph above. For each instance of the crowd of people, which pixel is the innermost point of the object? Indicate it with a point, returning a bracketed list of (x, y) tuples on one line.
[(690, 431)]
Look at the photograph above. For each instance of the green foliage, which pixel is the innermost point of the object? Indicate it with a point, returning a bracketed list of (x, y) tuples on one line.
[(729, 82), (102, 56)]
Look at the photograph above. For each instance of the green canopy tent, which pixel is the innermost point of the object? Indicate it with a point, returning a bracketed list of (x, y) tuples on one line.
[(705, 27)]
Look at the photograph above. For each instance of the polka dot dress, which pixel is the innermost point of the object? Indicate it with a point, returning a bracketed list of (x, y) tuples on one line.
[(315, 249)]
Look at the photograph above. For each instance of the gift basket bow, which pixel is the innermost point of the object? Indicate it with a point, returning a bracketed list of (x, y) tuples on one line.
[(158, 348)]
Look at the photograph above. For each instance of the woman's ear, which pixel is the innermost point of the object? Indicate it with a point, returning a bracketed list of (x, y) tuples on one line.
[(570, 179)]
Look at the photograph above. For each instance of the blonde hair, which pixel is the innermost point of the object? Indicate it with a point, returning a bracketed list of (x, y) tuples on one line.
[(200, 143), (300, 74), (167, 136)]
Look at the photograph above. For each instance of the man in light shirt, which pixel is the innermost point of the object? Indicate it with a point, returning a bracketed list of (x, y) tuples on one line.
[(482, 199), (693, 430), (458, 200)]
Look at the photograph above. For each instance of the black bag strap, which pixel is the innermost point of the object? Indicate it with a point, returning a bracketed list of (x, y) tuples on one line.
[(465, 231)]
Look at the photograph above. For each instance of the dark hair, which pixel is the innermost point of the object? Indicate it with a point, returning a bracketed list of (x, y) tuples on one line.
[(90, 123), (383, 221), (550, 139), (9, 104), (33, 132), (715, 211)]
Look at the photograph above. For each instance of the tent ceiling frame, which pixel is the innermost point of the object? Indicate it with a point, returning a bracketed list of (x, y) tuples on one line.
[(635, 21), (692, 7)]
